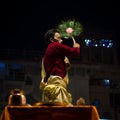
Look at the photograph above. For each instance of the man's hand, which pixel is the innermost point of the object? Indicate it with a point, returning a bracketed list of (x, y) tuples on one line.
[(76, 45)]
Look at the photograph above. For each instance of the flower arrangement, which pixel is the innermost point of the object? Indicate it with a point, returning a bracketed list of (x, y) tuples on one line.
[(70, 28)]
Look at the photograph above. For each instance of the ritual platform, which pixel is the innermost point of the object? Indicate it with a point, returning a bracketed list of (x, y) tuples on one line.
[(50, 113)]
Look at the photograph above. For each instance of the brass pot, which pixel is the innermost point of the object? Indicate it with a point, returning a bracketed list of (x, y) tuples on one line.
[(16, 98)]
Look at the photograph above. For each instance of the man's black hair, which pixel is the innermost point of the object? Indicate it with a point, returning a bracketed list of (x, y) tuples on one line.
[(50, 35)]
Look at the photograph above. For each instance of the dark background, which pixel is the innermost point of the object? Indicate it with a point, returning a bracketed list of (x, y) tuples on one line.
[(23, 23)]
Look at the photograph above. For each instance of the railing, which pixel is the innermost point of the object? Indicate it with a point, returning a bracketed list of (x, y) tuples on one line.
[(20, 54)]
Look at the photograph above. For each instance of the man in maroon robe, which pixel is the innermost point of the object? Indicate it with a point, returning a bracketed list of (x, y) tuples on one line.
[(54, 71)]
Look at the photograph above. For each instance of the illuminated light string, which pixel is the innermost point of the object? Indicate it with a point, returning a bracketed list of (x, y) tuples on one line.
[(102, 42), (70, 29)]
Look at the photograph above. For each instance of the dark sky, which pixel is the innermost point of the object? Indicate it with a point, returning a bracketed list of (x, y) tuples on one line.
[(24, 22)]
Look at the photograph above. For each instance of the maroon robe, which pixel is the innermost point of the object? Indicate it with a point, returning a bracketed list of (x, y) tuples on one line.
[(53, 58)]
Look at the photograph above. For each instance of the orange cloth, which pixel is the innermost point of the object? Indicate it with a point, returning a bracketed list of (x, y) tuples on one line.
[(50, 113)]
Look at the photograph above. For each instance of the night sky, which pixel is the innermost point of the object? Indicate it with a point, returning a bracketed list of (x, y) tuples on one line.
[(23, 23)]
